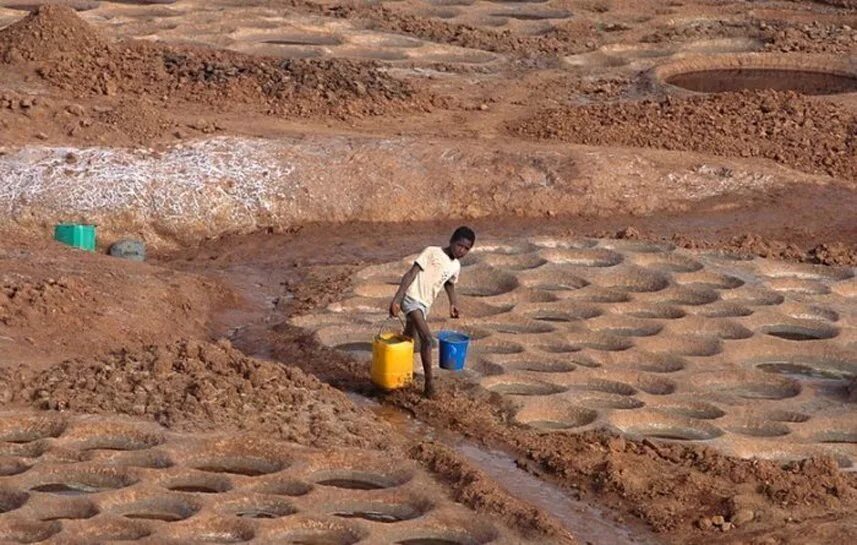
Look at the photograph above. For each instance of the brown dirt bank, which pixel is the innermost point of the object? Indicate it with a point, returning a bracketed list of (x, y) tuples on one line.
[(803, 133), (202, 386), (57, 303)]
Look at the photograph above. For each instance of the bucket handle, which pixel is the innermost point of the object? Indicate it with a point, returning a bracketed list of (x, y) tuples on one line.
[(387, 319)]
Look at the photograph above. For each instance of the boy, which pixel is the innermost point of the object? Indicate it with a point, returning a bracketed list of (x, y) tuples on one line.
[(435, 268)]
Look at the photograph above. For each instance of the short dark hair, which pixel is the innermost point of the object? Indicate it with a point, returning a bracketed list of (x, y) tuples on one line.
[(463, 233)]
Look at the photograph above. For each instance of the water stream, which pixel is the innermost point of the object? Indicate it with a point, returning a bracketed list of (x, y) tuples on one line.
[(591, 525)]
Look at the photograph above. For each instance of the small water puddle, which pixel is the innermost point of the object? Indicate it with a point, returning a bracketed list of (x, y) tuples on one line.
[(372, 516), (350, 484), (587, 523), (63, 489)]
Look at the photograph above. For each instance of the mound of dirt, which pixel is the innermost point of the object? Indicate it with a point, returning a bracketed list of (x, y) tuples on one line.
[(813, 37), (58, 303), (48, 32), (192, 386), (805, 134), (73, 57), (705, 29), (25, 301), (839, 3), (835, 253)]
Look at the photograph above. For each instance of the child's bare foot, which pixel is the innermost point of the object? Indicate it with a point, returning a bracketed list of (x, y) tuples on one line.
[(429, 392)]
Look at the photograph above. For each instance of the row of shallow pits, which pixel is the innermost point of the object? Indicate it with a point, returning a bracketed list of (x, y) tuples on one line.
[(750, 355), (318, 38), (94, 479), (261, 30)]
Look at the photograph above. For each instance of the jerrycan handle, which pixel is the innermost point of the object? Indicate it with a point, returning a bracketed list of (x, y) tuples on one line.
[(387, 319)]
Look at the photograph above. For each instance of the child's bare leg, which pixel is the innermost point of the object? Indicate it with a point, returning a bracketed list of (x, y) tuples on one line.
[(419, 324), (410, 328)]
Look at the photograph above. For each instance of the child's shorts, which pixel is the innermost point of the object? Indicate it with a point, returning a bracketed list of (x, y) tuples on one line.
[(409, 304)]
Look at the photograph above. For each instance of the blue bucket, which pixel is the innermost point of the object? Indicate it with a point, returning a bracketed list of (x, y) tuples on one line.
[(453, 349)]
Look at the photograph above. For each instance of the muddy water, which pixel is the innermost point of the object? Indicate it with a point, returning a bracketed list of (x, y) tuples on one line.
[(585, 522)]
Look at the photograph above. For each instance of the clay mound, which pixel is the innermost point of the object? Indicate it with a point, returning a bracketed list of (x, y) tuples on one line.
[(58, 303), (840, 3), (221, 79), (789, 128), (48, 32), (203, 386), (73, 56), (22, 302)]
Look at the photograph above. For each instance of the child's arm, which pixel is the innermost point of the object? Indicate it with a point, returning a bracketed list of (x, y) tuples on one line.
[(453, 299), (407, 280)]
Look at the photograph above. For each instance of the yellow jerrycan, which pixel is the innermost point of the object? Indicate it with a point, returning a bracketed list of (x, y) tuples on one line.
[(392, 360)]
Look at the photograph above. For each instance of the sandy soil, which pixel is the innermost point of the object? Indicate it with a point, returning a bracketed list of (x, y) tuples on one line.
[(531, 119)]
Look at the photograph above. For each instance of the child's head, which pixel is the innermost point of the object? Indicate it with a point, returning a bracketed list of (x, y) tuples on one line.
[(461, 241)]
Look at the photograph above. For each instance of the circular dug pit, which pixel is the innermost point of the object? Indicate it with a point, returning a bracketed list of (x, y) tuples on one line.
[(160, 508), (69, 509), (310, 532), (381, 512), (756, 79), (26, 429), (213, 531), (563, 312), (805, 74), (79, 482), (693, 409), (359, 480), (663, 426), (582, 257), (12, 499), (525, 387), (810, 368), (761, 429), (801, 332), (199, 484), (754, 389), (289, 487), (12, 466), (659, 363), (26, 531), (240, 465), (556, 417), (537, 365)]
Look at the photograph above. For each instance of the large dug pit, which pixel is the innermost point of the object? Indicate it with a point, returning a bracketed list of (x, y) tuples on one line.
[(756, 79), (808, 75)]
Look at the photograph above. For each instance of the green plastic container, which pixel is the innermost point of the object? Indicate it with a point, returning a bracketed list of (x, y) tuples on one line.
[(77, 235)]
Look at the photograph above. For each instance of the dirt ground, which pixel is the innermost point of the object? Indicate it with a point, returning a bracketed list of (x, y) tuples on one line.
[(551, 118)]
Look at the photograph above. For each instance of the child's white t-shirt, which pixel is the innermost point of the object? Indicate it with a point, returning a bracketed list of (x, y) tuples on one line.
[(436, 270)]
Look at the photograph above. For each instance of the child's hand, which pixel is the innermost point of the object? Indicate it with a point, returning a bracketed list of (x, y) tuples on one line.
[(453, 312), (395, 308)]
